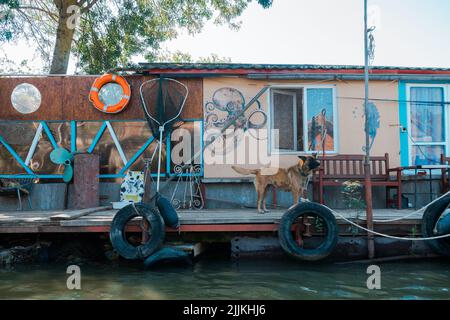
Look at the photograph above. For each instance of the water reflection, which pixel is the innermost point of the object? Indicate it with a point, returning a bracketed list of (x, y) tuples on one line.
[(223, 279)]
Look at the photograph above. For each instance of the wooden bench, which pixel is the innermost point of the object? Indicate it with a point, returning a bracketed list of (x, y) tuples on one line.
[(445, 174), (334, 170)]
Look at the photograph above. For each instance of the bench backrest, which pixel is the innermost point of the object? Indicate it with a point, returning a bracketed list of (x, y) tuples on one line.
[(351, 166)]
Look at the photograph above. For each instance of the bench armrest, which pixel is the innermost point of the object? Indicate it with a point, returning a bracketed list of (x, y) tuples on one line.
[(395, 169), (398, 171)]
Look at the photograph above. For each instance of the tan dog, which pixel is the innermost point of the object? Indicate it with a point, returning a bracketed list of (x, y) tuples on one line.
[(292, 179)]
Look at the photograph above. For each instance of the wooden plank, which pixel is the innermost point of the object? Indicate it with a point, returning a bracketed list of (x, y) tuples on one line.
[(66, 98), (51, 98), (75, 214), (78, 106), (230, 220)]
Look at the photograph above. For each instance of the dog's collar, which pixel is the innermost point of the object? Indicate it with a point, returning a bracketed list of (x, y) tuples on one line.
[(302, 173)]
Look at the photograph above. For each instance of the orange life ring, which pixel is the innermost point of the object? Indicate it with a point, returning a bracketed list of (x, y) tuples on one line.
[(99, 83)]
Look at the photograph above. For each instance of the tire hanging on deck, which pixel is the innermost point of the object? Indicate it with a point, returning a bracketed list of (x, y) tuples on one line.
[(289, 244), (156, 231), (429, 220)]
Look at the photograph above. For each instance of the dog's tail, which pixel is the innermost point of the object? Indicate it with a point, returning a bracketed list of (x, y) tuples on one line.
[(244, 171)]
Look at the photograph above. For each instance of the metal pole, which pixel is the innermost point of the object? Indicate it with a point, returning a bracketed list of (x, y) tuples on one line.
[(367, 181), (158, 178)]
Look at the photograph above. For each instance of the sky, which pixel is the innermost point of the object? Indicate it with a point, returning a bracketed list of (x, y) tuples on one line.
[(408, 33)]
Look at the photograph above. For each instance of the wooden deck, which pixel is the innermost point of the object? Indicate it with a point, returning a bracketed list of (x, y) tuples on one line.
[(213, 220)]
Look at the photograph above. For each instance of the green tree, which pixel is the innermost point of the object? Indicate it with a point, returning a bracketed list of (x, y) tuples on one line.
[(104, 34), (183, 57)]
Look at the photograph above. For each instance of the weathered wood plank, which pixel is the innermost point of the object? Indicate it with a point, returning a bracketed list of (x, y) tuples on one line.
[(101, 217), (75, 214)]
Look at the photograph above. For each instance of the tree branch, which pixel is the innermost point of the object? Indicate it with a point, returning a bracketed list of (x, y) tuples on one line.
[(88, 6), (52, 15)]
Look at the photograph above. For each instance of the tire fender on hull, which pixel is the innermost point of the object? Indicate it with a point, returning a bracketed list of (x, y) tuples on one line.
[(156, 231), (429, 219), (288, 242)]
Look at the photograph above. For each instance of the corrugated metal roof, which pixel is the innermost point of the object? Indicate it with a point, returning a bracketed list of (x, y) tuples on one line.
[(274, 67)]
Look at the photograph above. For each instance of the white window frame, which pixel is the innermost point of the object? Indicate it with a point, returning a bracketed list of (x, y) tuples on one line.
[(294, 119), (280, 87), (446, 97)]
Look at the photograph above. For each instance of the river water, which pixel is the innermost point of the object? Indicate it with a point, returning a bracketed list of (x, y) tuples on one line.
[(212, 278)]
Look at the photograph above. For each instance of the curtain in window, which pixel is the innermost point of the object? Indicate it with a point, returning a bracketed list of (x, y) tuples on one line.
[(427, 125), (427, 114)]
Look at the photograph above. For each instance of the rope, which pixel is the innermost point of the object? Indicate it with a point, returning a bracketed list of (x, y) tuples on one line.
[(414, 212), (389, 236), (386, 235)]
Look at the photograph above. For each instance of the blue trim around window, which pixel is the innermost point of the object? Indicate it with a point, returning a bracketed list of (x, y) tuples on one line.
[(403, 116)]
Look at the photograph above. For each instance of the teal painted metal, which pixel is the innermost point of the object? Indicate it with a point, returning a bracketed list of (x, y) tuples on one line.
[(73, 136), (122, 172), (119, 175), (425, 82), (97, 137), (168, 143), (27, 176), (16, 156), (168, 154), (137, 155), (49, 134), (403, 117), (202, 164)]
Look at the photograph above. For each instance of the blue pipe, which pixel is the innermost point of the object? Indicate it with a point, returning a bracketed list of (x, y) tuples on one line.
[(136, 155), (16, 156), (97, 137), (49, 134)]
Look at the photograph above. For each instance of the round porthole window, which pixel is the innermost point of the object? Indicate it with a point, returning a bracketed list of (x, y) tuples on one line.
[(26, 98), (111, 93)]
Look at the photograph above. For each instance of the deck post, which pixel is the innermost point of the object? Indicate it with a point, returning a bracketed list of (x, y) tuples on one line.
[(86, 180)]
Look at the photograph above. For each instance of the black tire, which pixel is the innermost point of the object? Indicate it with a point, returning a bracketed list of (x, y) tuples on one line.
[(287, 240), (429, 219), (156, 231)]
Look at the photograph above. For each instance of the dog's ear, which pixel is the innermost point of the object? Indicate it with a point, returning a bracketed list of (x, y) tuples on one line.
[(302, 157), (314, 155)]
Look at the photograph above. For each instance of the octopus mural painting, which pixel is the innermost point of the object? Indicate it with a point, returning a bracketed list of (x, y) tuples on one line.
[(225, 105)]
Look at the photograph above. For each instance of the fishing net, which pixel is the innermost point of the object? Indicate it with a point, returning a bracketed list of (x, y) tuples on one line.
[(163, 100)]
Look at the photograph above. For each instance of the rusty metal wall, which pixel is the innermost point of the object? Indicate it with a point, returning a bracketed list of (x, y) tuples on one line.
[(66, 98)]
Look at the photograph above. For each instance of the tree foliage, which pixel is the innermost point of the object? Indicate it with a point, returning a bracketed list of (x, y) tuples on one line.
[(183, 57), (110, 32)]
